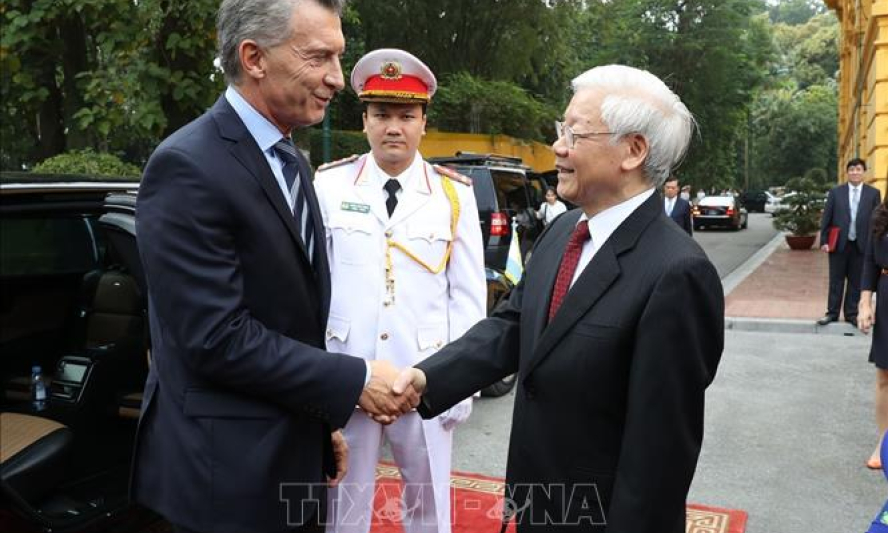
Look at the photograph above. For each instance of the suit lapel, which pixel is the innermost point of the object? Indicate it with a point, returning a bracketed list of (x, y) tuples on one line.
[(595, 280), (321, 268), (546, 262), (247, 152)]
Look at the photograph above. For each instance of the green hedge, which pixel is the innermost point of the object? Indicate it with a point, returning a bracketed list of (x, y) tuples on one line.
[(87, 162), (342, 144)]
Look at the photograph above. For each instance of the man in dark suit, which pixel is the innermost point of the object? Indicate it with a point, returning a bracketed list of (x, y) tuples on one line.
[(608, 417), (242, 406), (848, 208), (677, 208)]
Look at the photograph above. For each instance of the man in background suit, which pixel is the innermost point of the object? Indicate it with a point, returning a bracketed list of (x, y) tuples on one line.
[(242, 404), (849, 208), (608, 417), (677, 208)]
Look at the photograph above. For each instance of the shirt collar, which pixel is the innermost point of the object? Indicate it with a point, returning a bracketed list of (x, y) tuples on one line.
[(261, 129), (602, 225), (858, 186), (413, 176)]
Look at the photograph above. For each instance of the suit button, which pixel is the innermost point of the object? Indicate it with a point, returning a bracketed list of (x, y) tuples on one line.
[(389, 233), (384, 336)]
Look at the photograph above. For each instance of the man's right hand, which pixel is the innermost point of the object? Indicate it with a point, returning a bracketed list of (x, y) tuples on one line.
[(410, 378), (825, 248), (378, 399)]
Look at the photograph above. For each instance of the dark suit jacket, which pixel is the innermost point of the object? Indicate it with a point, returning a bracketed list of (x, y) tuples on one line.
[(838, 213), (875, 259), (608, 405), (241, 397), (681, 214)]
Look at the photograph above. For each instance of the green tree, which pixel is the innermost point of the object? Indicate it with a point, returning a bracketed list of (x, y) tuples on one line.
[(794, 131), (795, 11), (470, 104), (713, 53), (114, 75)]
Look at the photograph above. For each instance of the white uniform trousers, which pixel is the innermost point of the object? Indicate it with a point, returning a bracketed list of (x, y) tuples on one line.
[(421, 449)]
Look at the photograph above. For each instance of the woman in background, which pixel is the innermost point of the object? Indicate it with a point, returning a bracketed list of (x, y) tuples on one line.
[(551, 208), (875, 280)]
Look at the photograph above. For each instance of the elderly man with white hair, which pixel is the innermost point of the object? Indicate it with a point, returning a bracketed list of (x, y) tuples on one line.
[(608, 418)]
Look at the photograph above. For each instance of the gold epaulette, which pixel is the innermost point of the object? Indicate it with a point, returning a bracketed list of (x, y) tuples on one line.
[(452, 174), (338, 163)]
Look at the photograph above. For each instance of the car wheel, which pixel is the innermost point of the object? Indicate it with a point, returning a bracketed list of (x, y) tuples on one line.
[(501, 387)]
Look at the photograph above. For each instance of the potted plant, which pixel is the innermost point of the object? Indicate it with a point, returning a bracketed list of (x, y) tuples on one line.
[(801, 218)]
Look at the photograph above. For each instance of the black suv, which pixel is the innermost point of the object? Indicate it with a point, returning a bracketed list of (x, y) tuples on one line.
[(505, 188), (73, 302)]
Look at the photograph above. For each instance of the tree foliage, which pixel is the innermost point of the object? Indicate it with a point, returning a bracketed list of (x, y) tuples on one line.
[(470, 104), (117, 76), (109, 74)]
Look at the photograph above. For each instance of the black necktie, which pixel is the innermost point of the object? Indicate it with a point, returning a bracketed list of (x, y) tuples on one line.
[(297, 184), (392, 187)]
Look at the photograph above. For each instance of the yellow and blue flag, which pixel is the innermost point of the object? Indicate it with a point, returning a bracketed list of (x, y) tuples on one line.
[(514, 265)]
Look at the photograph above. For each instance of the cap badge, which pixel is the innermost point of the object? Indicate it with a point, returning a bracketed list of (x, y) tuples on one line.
[(391, 70)]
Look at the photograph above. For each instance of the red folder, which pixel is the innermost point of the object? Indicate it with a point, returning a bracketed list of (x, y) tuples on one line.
[(832, 238)]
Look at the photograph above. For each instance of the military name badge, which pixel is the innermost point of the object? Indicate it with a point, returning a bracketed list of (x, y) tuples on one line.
[(356, 208)]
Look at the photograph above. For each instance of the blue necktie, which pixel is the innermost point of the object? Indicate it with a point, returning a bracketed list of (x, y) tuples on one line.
[(297, 184)]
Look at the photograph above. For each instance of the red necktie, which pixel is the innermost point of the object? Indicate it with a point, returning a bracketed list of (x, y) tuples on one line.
[(569, 262)]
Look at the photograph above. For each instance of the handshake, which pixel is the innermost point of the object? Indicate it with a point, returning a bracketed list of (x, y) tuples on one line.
[(390, 392)]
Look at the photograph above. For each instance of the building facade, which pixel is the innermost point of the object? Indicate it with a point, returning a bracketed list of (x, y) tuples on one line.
[(863, 86)]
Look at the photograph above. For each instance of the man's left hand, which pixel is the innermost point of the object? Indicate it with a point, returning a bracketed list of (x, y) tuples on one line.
[(340, 455)]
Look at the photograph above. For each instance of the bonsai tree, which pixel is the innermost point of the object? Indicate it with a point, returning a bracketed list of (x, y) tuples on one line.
[(802, 216)]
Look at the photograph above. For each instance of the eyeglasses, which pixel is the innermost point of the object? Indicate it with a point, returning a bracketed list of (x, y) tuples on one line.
[(570, 136)]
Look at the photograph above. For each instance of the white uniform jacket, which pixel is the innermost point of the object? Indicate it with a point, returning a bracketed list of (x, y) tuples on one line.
[(425, 311)]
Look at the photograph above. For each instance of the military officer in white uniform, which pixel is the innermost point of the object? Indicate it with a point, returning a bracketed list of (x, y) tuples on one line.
[(407, 262)]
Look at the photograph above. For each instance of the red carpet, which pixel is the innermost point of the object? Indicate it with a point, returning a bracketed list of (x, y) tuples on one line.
[(478, 507)]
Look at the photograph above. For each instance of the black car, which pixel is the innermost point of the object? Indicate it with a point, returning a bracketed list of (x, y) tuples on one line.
[(73, 303), (754, 201), (505, 189)]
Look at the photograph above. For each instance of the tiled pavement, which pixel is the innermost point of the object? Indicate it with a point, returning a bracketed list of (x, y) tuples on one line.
[(789, 284)]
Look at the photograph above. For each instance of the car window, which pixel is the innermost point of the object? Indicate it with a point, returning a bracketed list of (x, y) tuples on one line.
[(54, 245), (482, 186), (510, 190), (717, 200)]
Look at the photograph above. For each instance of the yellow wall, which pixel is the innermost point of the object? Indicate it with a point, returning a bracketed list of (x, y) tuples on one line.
[(863, 86), (536, 155)]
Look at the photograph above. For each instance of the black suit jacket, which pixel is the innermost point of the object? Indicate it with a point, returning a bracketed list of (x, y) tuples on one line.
[(875, 259), (609, 408), (241, 397), (681, 214), (838, 213)]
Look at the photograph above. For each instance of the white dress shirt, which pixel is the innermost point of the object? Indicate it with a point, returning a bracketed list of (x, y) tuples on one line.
[(852, 211), (264, 133), (603, 224)]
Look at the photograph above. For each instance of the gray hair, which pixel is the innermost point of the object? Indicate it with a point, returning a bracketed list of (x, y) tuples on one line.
[(636, 101), (265, 21)]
